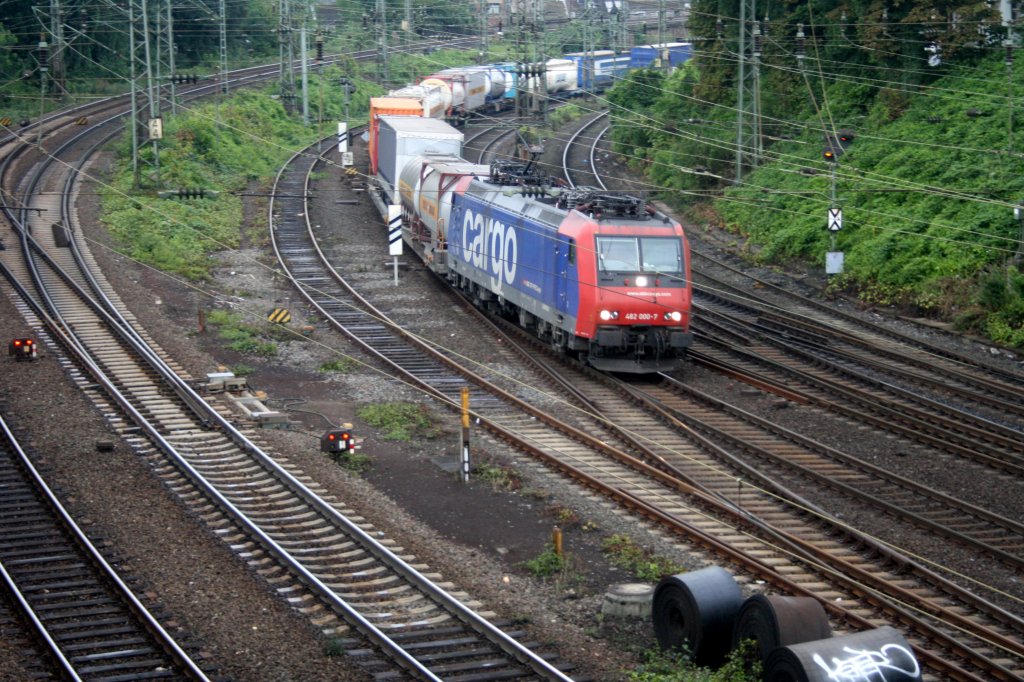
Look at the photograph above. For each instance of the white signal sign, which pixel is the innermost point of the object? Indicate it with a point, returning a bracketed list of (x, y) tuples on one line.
[(394, 230), (835, 219), (834, 263), (342, 137), (156, 128)]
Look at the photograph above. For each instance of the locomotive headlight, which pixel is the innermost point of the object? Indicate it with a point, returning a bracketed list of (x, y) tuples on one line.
[(674, 316), (641, 281), (607, 315)]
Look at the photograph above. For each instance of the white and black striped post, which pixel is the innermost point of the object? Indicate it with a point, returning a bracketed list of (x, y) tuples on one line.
[(395, 235), (342, 137)]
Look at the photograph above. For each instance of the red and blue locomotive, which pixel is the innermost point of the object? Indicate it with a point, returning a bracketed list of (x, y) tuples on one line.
[(597, 274)]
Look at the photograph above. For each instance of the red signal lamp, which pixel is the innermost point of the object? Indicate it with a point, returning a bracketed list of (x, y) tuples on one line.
[(337, 441), (22, 349)]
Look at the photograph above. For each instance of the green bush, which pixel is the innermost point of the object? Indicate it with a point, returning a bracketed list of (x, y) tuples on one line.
[(646, 566), (399, 421), (926, 189), (500, 477), (240, 336), (662, 666), (354, 461), (342, 365), (547, 563), (219, 146), (241, 370)]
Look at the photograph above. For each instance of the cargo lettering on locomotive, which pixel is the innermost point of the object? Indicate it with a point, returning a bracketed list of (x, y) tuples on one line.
[(502, 242)]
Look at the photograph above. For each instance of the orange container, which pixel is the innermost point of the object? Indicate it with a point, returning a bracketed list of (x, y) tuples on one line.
[(388, 106)]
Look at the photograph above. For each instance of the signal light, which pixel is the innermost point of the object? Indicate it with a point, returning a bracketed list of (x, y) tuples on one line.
[(338, 441), (836, 143), (22, 349)]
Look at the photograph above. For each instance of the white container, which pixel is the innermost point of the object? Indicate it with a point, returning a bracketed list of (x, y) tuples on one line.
[(402, 138), (560, 76), (433, 98), (495, 80), (468, 88)]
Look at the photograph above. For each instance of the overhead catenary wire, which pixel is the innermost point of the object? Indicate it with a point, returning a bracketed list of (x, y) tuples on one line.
[(798, 161)]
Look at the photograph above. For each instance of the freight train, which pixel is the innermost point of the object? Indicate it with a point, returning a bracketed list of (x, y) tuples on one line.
[(599, 275), (458, 93), (603, 276)]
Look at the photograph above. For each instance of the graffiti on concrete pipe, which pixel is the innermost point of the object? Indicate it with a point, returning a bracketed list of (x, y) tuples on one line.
[(870, 665)]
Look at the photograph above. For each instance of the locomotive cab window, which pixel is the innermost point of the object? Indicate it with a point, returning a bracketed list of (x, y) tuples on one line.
[(659, 254), (618, 254), (631, 255)]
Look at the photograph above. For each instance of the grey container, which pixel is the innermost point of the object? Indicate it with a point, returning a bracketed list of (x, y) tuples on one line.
[(402, 138)]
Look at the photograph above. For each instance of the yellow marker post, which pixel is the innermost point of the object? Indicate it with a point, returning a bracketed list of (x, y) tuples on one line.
[(464, 450)]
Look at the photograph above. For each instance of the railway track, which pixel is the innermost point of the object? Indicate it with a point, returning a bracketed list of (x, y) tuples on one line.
[(486, 141), (355, 586), (71, 600), (780, 305), (795, 345), (757, 467), (303, 263), (992, 657), (985, 402), (791, 546), (980, 415)]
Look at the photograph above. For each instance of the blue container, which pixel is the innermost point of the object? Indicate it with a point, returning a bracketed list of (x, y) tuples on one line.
[(586, 78), (642, 56)]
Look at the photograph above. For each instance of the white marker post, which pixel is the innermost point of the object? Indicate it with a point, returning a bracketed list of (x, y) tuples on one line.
[(834, 259), (342, 137), (395, 235)]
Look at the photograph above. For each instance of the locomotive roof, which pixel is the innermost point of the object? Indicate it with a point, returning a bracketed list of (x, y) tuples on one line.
[(528, 201)]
